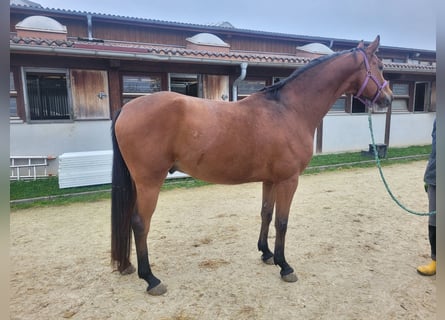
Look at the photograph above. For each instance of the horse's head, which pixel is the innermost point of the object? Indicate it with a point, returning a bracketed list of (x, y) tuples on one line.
[(376, 91)]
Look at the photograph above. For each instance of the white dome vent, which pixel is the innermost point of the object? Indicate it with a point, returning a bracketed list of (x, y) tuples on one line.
[(41, 23), (316, 48), (207, 39)]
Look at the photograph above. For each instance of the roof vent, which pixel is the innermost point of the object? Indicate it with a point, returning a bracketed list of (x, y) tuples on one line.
[(313, 49), (41, 27), (222, 24), (207, 41)]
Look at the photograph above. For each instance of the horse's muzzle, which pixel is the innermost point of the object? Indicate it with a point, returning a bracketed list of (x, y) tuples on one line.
[(383, 102)]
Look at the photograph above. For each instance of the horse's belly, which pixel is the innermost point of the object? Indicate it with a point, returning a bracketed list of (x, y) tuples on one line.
[(238, 168), (222, 172)]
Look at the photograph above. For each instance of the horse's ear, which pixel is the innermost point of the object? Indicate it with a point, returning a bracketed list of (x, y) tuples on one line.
[(373, 46), (361, 45)]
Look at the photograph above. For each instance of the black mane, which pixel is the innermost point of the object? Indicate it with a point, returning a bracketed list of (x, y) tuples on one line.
[(273, 90)]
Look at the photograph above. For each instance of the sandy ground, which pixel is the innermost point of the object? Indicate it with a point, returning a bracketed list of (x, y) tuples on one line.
[(355, 253)]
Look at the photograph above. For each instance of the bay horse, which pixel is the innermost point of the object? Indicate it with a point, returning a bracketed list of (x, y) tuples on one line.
[(267, 137)]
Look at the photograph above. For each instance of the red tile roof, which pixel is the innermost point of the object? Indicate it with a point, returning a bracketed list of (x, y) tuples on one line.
[(180, 53), (40, 42)]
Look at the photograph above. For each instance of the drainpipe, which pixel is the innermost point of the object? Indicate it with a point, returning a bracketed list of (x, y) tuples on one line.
[(90, 26), (242, 76)]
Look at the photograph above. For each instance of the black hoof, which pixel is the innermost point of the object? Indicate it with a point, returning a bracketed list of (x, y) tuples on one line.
[(291, 277), (159, 290), (268, 258), (268, 261), (288, 274), (129, 270)]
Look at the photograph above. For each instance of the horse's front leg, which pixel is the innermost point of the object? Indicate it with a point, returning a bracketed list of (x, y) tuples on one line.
[(268, 203), (285, 192)]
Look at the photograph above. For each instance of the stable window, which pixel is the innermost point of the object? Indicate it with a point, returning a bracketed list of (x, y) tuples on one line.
[(339, 105), (358, 106), (247, 87), (136, 86), (12, 97), (422, 96), (277, 79), (47, 95), (398, 60), (188, 84), (401, 96)]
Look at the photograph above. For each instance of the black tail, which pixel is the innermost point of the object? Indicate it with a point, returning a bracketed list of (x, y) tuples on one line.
[(123, 198)]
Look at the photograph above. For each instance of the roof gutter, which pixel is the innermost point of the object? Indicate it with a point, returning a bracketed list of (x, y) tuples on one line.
[(85, 53)]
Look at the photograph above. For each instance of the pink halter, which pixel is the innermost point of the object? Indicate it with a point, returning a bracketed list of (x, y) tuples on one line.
[(380, 87)]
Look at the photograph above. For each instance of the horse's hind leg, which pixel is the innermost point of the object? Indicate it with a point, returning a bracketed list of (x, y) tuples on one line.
[(146, 203), (268, 203)]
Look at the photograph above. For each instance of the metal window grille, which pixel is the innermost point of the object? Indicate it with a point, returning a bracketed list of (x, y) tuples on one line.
[(47, 97)]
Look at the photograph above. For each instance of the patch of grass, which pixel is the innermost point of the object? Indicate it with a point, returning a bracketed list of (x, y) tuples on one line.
[(335, 158), (408, 151), (62, 200), (49, 187), (186, 183), (27, 189), (348, 157), (24, 189)]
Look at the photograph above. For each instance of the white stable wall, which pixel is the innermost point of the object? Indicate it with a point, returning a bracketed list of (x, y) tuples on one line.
[(411, 129), (54, 139), (350, 132)]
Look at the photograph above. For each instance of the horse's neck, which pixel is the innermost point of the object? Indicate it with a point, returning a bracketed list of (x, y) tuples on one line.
[(316, 90)]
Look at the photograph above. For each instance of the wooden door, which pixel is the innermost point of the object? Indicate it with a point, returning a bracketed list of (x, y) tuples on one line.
[(90, 96), (215, 87)]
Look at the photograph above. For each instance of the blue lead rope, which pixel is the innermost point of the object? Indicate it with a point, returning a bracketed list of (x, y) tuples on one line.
[(377, 160)]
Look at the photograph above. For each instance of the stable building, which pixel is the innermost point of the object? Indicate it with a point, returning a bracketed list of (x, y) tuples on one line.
[(70, 71)]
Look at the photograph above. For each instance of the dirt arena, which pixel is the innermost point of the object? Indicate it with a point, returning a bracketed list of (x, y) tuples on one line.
[(355, 253)]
